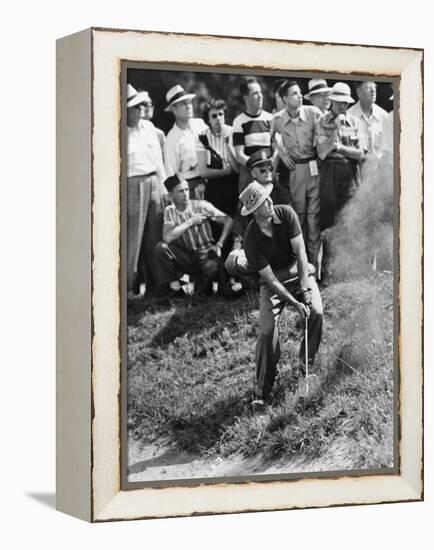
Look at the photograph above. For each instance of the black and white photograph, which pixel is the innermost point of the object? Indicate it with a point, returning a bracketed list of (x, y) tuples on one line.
[(259, 215)]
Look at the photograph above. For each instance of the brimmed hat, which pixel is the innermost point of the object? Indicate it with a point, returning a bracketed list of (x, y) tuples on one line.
[(175, 95), (135, 98), (317, 86), (131, 91), (172, 181), (253, 196), (262, 156), (341, 92)]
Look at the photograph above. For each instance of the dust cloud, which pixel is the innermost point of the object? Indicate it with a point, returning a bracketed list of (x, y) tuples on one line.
[(361, 242)]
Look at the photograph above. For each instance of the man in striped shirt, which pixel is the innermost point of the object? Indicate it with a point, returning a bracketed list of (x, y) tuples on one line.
[(251, 129), (251, 132), (188, 245)]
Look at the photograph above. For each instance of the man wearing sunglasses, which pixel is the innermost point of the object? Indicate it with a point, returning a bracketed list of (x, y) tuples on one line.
[(260, 166), (147, 113)]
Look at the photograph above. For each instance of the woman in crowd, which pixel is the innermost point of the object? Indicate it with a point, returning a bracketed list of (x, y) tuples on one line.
[(216, 158)]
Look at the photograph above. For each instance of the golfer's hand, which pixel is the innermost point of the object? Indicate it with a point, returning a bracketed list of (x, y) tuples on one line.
[(197, 219), (307, 297), (303, 310)]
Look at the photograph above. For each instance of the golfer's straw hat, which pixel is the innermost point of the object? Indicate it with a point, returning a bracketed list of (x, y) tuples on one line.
[(253, 196), (176, 94), (341, 92), (317, 86)]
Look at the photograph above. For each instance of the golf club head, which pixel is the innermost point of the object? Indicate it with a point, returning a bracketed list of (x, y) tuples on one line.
[(309, 391)]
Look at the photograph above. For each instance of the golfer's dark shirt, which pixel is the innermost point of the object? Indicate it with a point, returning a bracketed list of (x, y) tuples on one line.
[(275, 251)]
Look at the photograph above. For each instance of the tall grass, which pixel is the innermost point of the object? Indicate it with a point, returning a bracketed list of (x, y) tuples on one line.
[(191, 372)]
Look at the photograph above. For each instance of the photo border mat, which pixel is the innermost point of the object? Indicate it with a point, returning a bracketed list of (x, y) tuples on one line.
[(129, 485)]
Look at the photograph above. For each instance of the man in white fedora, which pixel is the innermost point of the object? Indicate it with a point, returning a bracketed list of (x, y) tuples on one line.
[(275, 250), (372, 119), (145, 193), (180, 146), (147, 114), (318, 94), (341, 146)]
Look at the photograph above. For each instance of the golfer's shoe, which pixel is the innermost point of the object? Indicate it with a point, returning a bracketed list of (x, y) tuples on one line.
[(176, 293), (258, 404)]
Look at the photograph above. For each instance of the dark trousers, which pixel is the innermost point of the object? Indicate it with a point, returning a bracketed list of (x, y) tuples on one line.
[(268, 345), (339, 181), (196, 188), (174, 260), (223, 193)]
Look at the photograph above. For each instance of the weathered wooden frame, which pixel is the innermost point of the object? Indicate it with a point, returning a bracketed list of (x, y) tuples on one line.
[(89, 274)]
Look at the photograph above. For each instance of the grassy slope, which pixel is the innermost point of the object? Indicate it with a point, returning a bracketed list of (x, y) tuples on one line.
[(191, 367)]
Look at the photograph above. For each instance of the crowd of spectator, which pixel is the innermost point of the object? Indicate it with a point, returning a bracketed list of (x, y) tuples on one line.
[(184, 215)]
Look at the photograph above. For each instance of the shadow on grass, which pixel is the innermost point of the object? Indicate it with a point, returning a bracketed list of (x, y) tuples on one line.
[(201, 431), (196, 315)]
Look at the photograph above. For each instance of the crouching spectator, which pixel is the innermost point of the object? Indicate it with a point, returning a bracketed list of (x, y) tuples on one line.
[(188, 245)]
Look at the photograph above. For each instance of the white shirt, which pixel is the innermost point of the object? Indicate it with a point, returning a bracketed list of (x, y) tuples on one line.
[(386, 144), (180, 149), (372, 126), (144, 151)]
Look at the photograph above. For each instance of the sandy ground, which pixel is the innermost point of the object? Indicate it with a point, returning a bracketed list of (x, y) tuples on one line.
[(164, 463)]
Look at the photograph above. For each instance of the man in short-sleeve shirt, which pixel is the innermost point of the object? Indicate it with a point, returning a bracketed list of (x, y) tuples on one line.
[(251, 129), (188, 245), (180, 145), (293, 131), (275, 249), (372, 119), (341, 146)]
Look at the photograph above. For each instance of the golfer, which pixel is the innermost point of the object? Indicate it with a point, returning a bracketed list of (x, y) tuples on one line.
[(275, 250)]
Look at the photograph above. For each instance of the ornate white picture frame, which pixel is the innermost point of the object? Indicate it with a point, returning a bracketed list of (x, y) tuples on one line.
[(89, 290)]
